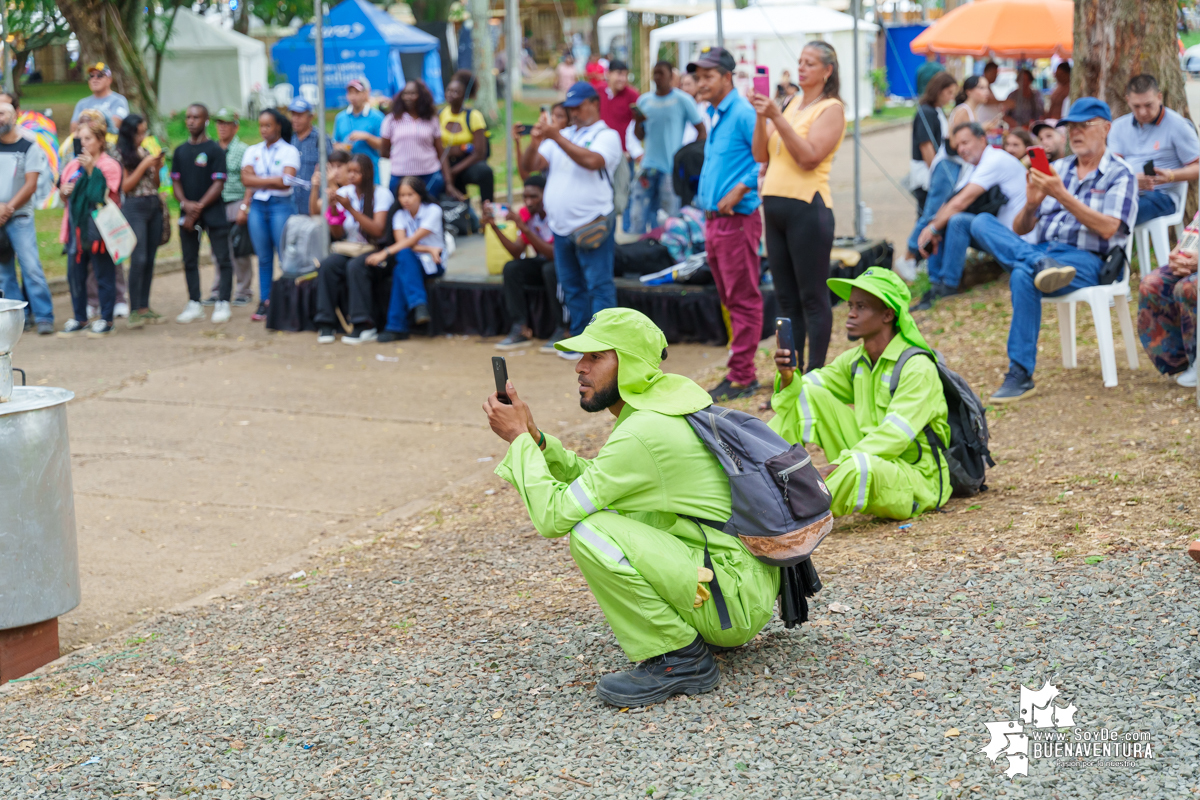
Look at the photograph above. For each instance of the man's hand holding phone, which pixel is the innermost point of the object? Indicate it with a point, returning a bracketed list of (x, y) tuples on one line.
[(510, 421), (1039, 186)]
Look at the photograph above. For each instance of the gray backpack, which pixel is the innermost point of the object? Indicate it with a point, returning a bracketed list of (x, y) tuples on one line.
[(779, 502), (967, 456), (305, 244)]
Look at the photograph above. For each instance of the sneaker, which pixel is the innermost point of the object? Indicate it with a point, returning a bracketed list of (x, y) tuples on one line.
[(241, 301), (152, 317), (726, 390), (93, 312), (569, 355), (1018, 384), (136, 320), (221, 312), (191, 312), (392, 336), (548, 349), (325, 335), (100, 328), (515, 340), (261, 313), (45, 328), (936, 292), (1187, 377), (421, 314), (121, 310), (209, 301), (72, 329), (361, 335), (1052, 276), (688, 670)]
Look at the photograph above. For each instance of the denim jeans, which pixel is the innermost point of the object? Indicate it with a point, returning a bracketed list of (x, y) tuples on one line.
[(435, 183), (1154, 204), (941, 189), (946, 265), (267, 218), (586, 277), (23, 236), (408, 290), (1021, 259), (651, 191)]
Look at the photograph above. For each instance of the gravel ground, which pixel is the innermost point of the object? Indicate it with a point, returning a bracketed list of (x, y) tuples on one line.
[(456, 657)]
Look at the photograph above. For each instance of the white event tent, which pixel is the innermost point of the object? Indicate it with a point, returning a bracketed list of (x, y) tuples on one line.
[(207, 64), (772, 35)]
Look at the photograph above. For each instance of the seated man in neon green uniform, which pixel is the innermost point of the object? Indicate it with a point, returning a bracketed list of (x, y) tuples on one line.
[(880, 461), (624, 509)]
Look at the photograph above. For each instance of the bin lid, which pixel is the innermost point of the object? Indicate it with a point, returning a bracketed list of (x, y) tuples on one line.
[(32, 398)]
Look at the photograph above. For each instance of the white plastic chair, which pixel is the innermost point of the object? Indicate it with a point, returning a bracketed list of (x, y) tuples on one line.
[(1157, 231), (1100, 298)]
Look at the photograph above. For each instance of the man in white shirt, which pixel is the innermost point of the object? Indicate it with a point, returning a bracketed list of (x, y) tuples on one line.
[(991, 175), (579, 202)]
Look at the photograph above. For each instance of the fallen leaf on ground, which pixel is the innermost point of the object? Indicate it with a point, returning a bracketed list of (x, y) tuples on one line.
[(917, 676), (498, 713), (951, 733)]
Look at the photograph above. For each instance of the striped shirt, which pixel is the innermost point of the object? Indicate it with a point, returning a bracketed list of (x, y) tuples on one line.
[(1110, 189), (413, 148), (233, 170)]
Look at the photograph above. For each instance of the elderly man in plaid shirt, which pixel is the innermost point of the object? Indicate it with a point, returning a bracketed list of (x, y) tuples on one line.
[(1077, 215)]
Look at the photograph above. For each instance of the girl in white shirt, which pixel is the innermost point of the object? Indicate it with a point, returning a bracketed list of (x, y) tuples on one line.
[(358, 215), (268, 173), (416, 254)]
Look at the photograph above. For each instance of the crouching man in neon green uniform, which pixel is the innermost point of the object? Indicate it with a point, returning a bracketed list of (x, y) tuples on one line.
[(624, 510), (880, 461)]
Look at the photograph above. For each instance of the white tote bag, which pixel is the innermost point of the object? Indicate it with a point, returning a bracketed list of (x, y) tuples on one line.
[(114, 229)]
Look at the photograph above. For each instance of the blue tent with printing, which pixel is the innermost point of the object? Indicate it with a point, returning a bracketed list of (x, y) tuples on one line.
[(361, 40)]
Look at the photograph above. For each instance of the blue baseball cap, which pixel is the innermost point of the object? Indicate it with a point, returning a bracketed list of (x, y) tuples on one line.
[(1085, 109), (579, 92), (300, 105)]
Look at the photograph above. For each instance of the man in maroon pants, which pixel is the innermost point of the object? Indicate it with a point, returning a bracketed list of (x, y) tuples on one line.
[(727, 195)]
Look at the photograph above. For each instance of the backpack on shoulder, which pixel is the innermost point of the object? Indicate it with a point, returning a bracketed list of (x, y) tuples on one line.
[(780, 505), (305, 245), (968, 455)]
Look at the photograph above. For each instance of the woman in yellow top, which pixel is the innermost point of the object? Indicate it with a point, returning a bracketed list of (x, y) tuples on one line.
[(798, 144), (464, 138)]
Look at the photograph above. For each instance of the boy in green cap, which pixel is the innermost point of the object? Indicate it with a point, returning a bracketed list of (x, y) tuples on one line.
[(625, 510), (879, 459)]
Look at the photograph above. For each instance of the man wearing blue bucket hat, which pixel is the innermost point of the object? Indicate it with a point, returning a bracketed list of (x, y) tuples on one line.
[(1079, 214)]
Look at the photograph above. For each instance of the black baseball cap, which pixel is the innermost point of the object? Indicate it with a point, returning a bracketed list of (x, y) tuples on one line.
[(1044, 123), (713, 58), (617, 65)]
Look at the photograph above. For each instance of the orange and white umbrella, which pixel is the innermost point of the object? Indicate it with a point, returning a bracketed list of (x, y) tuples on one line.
[(1002, 28)]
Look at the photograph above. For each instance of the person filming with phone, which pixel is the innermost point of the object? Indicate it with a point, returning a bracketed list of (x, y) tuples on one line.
[(1079, 210), (627, 512), (1160, 145), (581, 160)]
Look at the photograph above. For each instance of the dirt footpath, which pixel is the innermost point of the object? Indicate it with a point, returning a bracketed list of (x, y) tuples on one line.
[(202, 453)]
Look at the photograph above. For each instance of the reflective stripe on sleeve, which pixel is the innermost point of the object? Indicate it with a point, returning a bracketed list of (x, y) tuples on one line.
[(581, 497), (806, 413), (600, 543), (863, 467), (814, 378), (902, 424)]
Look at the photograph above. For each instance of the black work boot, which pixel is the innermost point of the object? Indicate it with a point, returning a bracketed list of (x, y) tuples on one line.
[(688, 670)]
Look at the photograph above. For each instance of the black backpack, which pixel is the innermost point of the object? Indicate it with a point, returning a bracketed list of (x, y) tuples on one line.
[(967, 456), (780, 504)]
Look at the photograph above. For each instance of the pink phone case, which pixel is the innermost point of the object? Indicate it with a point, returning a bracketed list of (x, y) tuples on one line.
[(762, 81)]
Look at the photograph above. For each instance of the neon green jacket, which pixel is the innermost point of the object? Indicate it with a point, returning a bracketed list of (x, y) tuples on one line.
[(652, 468), (891, 426)]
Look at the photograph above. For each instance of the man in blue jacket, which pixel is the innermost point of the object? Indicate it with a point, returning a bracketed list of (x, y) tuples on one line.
[(729, 198)]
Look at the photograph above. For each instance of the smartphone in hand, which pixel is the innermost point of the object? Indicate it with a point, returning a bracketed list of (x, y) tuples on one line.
[(1148, 169), (784, 338), (762, 81), (500, 370), (1038, 160)]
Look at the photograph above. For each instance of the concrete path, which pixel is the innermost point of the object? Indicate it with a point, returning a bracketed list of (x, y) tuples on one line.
[(204, 452)]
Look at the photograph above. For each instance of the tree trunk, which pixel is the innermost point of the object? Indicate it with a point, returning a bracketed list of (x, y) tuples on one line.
[(1116, 40), (484, 57), (105, 36)]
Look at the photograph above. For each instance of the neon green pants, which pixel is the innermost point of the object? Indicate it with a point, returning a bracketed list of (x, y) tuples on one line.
[(644, 579), (883, 487)]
